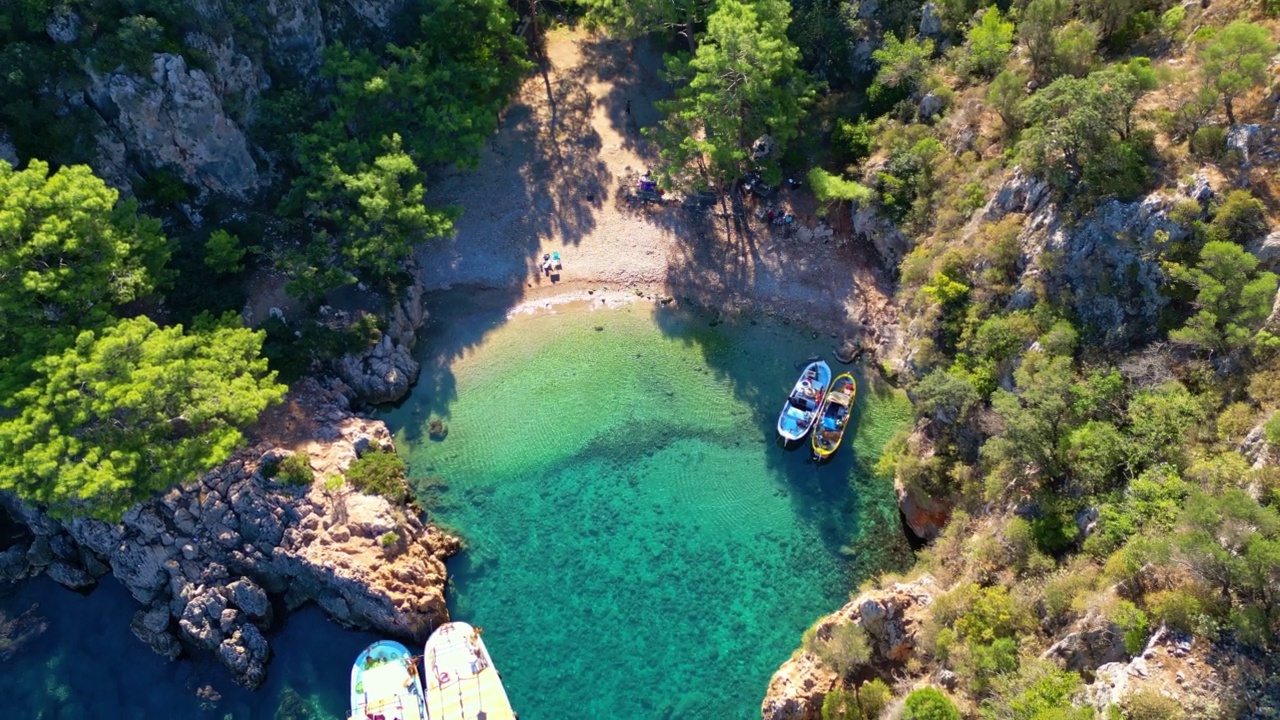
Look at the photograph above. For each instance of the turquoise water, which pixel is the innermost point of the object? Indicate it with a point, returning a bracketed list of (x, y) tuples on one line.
[(79, 660), (639, 547)]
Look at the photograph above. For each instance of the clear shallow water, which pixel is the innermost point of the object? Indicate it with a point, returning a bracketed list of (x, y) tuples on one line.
[(638, 545), (85, 663)]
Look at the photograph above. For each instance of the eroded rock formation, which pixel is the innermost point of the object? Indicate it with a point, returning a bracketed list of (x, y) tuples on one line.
[(385, 372), (206, 560), (891, 619)]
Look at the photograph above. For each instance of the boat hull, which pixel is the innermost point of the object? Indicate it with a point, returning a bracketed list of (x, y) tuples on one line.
[(385, 683), (462, 683), (833, 418), (804, 402)]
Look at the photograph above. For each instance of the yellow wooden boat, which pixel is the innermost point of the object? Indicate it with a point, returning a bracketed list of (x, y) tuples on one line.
[(833, 417)]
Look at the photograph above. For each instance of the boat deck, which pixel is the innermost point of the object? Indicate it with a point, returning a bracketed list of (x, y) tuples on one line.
[(461, 681)]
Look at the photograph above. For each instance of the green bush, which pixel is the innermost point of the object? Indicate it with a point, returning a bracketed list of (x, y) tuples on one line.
[(873, 697), (853, 139), (295, 469), (1208, 142), (845, 649), (840, 704), (388, 540), (1133, 623), (1151, 705), (1238, 219), (929, 704), (379, 473)]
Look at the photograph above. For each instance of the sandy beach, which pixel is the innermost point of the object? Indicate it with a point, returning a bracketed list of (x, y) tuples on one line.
[(555, 179)]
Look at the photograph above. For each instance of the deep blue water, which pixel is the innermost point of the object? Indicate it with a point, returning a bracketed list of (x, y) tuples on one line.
[(85, 663)]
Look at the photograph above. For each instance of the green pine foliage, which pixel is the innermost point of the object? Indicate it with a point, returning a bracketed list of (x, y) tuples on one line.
[(743, 82), (70, 255), (129, 411)]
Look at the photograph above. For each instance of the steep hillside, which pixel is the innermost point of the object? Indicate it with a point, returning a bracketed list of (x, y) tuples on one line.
[(1078, 201)]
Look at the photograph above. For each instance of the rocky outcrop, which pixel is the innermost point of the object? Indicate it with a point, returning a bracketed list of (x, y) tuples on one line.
[(205, 560), (1178, 667), (891, 618), (385, 372), (1092, 642), (1105, 264), (175, 119), (924, 514), (870, 225)]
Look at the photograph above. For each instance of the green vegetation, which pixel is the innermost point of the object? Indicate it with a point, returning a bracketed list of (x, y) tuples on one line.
[(131, 410), (379, 473), (929, 704), (295, 470), (742, 83), (71, 255)]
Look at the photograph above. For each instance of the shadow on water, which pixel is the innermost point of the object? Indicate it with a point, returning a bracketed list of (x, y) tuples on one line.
[(460, 320), (68, 656), (822, 494)]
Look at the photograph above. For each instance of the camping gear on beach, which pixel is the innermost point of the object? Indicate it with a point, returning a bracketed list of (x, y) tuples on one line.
[(462, 683), (833, 417), (555, 261), (804, 401), (385, 684)]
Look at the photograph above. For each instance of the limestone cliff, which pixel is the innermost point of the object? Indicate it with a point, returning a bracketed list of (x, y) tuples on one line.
[(207, 560)]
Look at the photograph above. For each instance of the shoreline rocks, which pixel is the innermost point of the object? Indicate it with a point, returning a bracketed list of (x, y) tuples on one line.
[(891, 619), (206, 560)]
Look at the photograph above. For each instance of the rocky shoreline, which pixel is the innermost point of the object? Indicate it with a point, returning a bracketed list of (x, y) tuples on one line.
[(210, 562)]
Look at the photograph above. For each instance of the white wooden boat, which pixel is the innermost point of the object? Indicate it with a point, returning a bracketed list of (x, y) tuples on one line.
[(385, 684), (462, 683), (804, 401)]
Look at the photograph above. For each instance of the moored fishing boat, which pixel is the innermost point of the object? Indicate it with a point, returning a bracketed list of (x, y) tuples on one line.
[(462, 683), (804, 401), (833, 417), (385, 684)]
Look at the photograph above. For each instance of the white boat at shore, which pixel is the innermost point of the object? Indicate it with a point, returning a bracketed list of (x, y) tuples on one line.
[(385, 684), (802, 404), (462, 683)]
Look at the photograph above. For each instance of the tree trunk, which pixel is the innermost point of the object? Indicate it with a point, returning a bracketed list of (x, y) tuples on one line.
[(1231, 113), (688, 30)]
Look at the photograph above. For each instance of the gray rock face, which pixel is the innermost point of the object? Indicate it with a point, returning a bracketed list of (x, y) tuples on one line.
[(297, 36), (930, 105), (63, 26), (387, 371), (8, 152), (930, 23), (1103, 263), (870, 225), (1092, 643), (175, 119), (204, 559)]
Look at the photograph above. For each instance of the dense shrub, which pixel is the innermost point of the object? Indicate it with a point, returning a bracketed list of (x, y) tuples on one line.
[(379, 473), (929, 704), (295, 469)]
